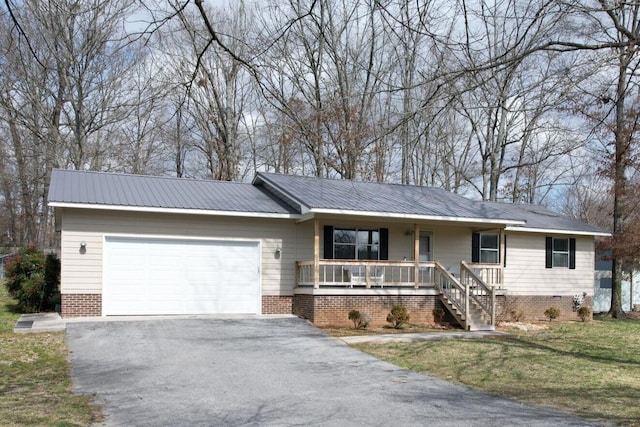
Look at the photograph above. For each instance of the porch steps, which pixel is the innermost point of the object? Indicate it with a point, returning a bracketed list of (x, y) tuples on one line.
[(474, 321)]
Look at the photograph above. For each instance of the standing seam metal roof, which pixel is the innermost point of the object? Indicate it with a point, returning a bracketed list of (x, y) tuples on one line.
[(321, 193), (107, 189), (270, 193)]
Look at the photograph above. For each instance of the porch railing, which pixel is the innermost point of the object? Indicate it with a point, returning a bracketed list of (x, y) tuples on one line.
[(491, 274), (350, 273), (452, 289), (481, 292)]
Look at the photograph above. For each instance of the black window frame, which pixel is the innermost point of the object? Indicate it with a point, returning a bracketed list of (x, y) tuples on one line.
[(329, 244)]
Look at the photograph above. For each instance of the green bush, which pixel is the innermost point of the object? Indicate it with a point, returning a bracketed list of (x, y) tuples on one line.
[(438, 314), (360, 320), (33, 278), (552, 313), (355, 316), (398, 316), (584, 313)]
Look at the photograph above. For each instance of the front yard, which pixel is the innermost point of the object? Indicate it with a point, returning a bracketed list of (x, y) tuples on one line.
[(590, 368), (35, 384)]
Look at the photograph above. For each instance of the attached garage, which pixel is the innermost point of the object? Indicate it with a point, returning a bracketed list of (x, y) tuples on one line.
[(157, 276)]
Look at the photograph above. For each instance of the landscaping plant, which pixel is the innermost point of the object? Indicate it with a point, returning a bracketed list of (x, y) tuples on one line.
[(584, 313), (360, 321), (552, 313), (438, 314), (32, 279), (398, 316), (355, 316)]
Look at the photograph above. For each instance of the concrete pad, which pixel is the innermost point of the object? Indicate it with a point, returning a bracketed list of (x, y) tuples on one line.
[(39, 322)]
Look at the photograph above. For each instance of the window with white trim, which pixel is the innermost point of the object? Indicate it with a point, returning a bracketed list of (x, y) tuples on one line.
[(356, 243), (560, 252), (489, 248)]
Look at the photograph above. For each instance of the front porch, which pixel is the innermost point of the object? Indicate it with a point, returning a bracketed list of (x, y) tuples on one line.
[(359, 261), (470, 297)]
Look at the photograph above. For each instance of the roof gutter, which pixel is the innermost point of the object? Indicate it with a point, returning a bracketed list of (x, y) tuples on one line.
[(553, 231), (174, 210), (416, 217)]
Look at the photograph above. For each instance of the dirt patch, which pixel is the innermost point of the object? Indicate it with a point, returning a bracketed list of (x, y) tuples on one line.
[(383, 330), (523, 326)]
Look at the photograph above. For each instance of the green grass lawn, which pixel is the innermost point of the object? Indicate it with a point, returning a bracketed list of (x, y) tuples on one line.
[(35, 384), (590, 368)]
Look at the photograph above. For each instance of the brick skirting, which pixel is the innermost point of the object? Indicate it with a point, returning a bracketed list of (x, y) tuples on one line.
[(274, 304), (81, 305), (333, 310)]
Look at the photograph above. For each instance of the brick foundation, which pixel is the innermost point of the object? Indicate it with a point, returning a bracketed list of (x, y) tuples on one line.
[(533, 307), (81, 305), (333, 310), (274, 304)]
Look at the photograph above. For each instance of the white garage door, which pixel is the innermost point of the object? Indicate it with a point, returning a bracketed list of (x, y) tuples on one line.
[(144, 276)]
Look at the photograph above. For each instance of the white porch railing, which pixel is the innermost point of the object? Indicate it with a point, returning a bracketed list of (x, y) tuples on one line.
[(481, 292), (491, 274), (350, 273)]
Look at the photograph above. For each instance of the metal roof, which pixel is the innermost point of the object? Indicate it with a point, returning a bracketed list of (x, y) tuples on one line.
[(540, 218), (140, 191), (317, 194), (289, 196), (320, 194)]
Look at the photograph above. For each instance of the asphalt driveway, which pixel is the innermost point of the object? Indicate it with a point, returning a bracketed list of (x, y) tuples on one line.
[(275, 371)]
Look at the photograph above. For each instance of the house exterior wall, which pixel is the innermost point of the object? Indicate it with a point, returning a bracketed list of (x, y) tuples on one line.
[(525, 273), (81, 273), (530, 286), (450, 243)]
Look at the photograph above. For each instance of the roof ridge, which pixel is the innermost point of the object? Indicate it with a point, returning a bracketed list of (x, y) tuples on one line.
[(359, 181), (133, 175)]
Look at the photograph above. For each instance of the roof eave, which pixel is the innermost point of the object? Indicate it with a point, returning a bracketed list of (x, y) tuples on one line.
[(415, 217), (183, 211), (556, 231)]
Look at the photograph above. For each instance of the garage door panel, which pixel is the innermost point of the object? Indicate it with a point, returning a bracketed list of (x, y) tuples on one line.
[(165, 276)]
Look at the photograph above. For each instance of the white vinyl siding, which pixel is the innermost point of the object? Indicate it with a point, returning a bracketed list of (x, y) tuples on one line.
[(82, 273), (526, 274)]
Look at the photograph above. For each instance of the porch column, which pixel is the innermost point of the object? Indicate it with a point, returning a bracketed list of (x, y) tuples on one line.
[(316, 253), (416, 254)]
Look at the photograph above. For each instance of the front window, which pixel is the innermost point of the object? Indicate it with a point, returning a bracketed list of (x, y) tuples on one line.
[(560, 252), (489, 248), (356, 243)]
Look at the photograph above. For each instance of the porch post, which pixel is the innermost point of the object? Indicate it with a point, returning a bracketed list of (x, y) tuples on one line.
[(416, 254), (493, 306), (316, 253)]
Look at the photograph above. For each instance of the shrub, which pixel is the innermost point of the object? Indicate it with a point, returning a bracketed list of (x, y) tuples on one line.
[(360, 321), (438, 314), (355, 316), (517, 316), (32, 278), (584, 313), (398, 316), (552, 313)]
